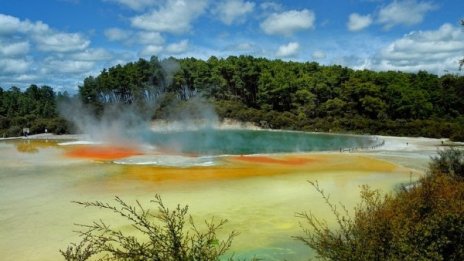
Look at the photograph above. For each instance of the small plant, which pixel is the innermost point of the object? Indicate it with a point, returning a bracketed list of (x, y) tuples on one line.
[(165, 236)]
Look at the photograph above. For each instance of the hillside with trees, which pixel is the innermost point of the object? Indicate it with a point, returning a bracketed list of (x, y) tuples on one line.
[(291, 95), (271, 93)]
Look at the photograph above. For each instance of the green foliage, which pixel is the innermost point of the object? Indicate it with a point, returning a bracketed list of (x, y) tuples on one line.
[(165, 237), (422, 222), (448, 162), (35, 108), (294, 95), (270, 93)]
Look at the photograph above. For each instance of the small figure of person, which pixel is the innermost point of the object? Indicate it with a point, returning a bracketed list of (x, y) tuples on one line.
[(46, 131)]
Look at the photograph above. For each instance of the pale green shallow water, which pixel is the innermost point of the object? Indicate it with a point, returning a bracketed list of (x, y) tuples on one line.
[(213, 141), (36, 188)]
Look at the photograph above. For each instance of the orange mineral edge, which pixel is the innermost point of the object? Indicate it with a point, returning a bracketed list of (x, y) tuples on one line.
[(102, 152)]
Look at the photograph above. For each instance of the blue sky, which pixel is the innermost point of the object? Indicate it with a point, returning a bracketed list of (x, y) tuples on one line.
[(60, 42)]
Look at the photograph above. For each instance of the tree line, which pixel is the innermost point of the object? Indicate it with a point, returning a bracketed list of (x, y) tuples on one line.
[(271, 93), (292, 95), (34, 108)]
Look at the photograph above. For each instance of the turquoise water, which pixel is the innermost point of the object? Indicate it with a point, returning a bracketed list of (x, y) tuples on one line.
[(234, 142)]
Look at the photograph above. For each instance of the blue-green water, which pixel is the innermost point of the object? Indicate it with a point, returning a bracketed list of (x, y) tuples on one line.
[(215, 142)]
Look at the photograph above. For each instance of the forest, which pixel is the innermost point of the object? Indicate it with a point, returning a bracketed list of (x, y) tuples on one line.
[(270, 93), (34, 108)]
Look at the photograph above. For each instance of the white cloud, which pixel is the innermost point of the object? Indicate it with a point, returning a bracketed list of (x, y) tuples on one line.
[(135, 4), (176, 48), (175, 16), (270, 6), (150, 50), (12, 25), (288, 50), (404, 12), (61, 42), (230, 11), (357, 22), (26, 77), (22, 47), (289, 22), (131, 37), (92, 55), (13, 66), (46, 38), (244, 47), (150, 38), (14, 49), (116, 34), (436, 51), (63, 64), (317, 55)]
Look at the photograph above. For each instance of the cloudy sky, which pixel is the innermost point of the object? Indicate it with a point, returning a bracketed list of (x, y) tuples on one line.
[(60, 42)]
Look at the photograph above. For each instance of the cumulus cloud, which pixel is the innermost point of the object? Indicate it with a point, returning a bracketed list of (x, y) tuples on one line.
[(289, 22), (244, 46), (176, 48), (14, 49), (404, 12), (357, 22), (288, 50), (46, 38), (55, 64), (270, 6), (135, 4), (435, 50), (150, 50), (61, 42), (116, 34), (92, 55), (150, 38), (230, 11), (25, 43), (13, 66), (131, 37), (174, 16), (12, 25), (317, 55)]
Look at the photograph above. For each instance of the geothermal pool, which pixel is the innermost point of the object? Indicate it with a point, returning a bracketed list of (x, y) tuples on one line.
[(236, 175)]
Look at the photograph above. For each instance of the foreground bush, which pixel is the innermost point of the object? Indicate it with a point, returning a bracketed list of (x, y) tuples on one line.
[(165, 236), (449, 162), (422, 222)]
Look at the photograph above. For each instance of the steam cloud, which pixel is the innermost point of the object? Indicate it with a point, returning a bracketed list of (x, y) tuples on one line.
[(127, 124)]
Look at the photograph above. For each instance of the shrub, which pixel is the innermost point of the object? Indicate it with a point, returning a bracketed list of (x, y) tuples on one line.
[(422, 222), (449, 162), (166, 238)]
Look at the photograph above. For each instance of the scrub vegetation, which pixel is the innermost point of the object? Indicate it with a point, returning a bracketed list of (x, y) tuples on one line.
[(158, 235), (421, 221)]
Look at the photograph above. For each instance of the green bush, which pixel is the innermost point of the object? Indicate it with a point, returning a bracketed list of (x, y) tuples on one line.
[(165, 236), (448, 162)]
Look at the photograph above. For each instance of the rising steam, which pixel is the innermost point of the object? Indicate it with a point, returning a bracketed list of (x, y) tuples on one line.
[(124, 123)]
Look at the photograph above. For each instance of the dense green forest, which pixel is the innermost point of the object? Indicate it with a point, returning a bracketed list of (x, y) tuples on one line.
[(35, 108), (270, 93), (291, 95)]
